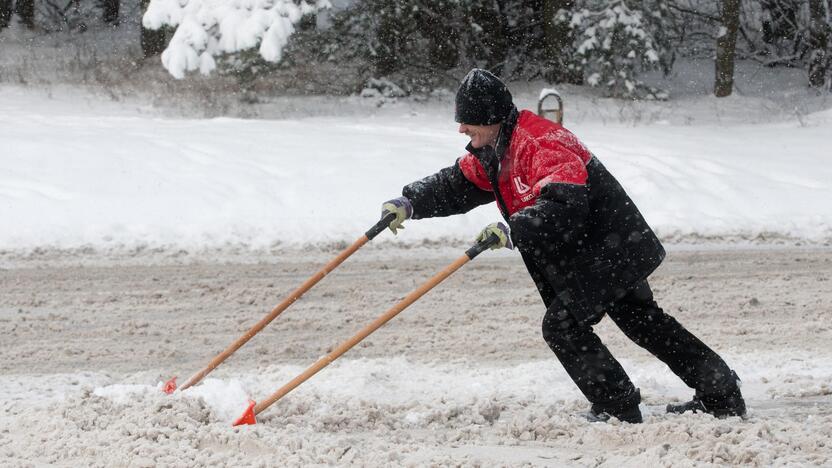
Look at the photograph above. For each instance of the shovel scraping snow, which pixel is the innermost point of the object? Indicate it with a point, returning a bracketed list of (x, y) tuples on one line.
[(253, 409)]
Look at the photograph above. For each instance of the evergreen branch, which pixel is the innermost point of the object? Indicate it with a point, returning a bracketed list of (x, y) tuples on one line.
[(695, 13), (780, 60), (747, 39)]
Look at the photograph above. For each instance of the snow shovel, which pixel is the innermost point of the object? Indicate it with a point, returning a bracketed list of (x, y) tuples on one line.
[(170, 386), (253, 409)]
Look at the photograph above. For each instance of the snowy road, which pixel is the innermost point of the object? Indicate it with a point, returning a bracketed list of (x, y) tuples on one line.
[(461, 377)]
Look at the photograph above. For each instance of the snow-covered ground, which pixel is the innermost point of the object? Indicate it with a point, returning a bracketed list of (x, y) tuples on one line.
[(78, 172), (135, 244), (461, 378)]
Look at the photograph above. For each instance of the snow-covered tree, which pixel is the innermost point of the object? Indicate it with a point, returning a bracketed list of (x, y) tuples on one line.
[(5, 13), (429, 42), (109, 10), (206, 29), (413, 42), (25, 10), (616, 40), (560, 62), (152, 41), (781, 29)]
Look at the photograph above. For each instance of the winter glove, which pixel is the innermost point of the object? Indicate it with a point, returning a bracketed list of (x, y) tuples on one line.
[(401, 207), (501, 231)]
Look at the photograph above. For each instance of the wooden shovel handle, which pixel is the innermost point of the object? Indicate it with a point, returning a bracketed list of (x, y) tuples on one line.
[(293, 296), (377, 323)]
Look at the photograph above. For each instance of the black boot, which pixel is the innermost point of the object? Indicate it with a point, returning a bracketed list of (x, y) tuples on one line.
[(625, 410), (717, 405)]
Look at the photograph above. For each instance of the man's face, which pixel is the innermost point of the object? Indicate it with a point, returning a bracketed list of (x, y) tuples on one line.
[(480, 135)]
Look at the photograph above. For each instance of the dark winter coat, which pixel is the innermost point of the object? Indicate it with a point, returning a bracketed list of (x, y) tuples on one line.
[(581, 237)]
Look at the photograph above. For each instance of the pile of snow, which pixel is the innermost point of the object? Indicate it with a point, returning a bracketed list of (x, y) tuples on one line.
[(76, 174), (394, 411), (404, 383)]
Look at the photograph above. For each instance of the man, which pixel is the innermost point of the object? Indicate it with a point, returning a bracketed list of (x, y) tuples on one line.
[(584, 243)]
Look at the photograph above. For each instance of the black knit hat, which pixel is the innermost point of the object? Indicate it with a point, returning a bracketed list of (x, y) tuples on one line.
[(482, 99)]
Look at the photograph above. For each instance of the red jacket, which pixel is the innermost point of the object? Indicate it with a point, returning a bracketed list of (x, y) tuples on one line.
[(540, 152), (581, 237)]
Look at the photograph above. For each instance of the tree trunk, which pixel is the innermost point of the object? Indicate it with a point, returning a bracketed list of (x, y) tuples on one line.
[(5, 13), (818, 41), (726, 47), (25, 9), (110, 11), (153, 41)]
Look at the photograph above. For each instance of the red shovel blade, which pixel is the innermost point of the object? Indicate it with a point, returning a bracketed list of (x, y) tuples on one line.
[(248, 416), (170, 386)]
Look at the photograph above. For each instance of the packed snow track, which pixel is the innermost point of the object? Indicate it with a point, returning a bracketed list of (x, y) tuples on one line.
[(462, 377)]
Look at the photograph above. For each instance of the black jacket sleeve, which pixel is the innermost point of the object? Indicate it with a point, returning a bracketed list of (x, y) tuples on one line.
[(557, 219), (445, 193)]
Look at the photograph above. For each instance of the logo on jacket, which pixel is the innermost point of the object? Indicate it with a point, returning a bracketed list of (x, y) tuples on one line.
[(520, 186)]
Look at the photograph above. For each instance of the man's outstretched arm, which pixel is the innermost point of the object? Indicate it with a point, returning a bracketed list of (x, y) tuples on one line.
[(448, 192)]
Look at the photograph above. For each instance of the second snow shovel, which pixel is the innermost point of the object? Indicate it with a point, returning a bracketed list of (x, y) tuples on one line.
[(170, 386), (253, 409)]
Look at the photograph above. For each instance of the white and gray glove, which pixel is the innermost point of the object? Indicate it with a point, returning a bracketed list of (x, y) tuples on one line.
[(403, 210), (501, 231)]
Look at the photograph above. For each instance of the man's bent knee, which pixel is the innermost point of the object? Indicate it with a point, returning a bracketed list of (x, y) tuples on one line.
[(559, 327)]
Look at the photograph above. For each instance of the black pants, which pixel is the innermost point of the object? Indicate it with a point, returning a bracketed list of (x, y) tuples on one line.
[(599, 375)]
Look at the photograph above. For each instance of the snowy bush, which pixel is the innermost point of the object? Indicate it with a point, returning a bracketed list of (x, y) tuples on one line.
[(426, 43), (409, 42), (376, 87), (617, 40), (423, 44), (209, 28)]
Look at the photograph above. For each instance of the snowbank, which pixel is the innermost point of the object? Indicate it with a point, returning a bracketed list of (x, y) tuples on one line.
[(76, 173)]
